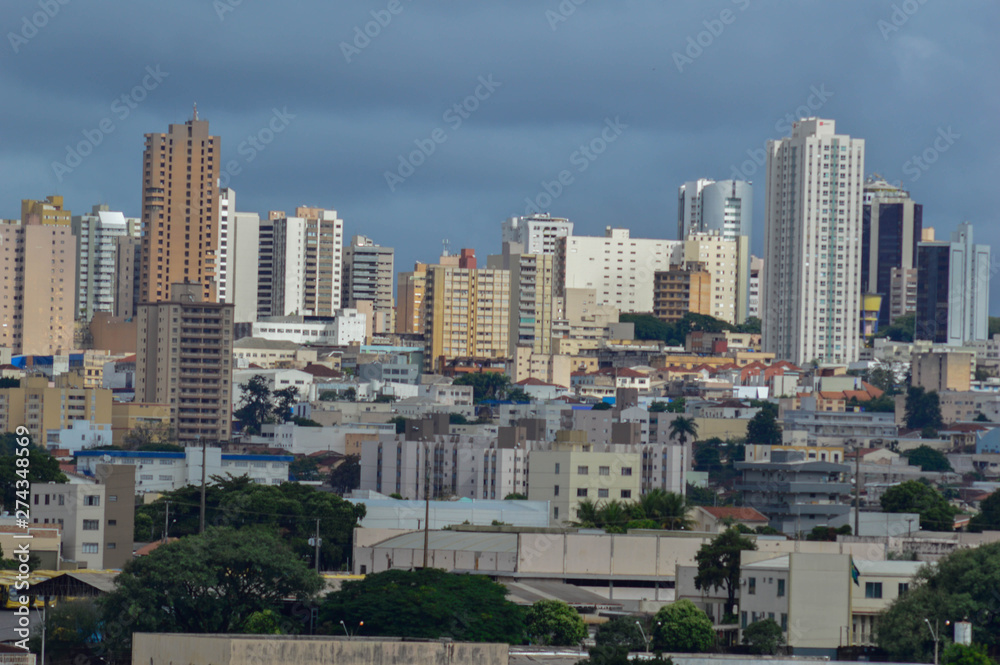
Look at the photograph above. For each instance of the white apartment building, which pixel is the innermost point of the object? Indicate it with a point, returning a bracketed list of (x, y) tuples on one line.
[(165, 472), (537, 233), (564, 478), (618, 267), (756, 272), (277, 379), (347, 326), (79, 435), (812, 268), (244, 265), (227, 206), (281, 277), (97, 236)]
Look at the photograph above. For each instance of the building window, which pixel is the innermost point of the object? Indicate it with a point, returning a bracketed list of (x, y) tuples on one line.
[(581, 491), (781, 588), (555, 491), (555, 512), (93, 500), (112, 522), (903, 588), (626, 471), (602, 493), (784, 621), (110, 546), (604, 470), (91, 525), (557, 467), (743, 619), (752, 586), (873, 589), (582, 470), (62, 500), (626, 494), (90, 548), (113, 498)]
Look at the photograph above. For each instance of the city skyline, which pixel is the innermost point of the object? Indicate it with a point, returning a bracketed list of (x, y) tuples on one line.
[(333, 149)]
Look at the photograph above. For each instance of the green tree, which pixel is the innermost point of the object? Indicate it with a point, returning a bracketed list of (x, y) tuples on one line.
[(668, 509), (72, 630), (39, 467), (961, 584), (828, 533), (719, 563), (624, 631), (682, 427), (901, 330), (707, 458), (257, 409), (682, 627), (764, 637), (554, 623), (763, 427), (700, 496), (516, 496), (400, 423), (208, 583), (487, 385), (928, 459), (263, 622), (923, 408), (658, 407), (751, 326), (425, 603), (988, 518), (304, 468), (346, 476), (994, 325), (884, 379), (960, 654), (587, 515), (284, 400), (883, 404), (602, 406), (609, 654), (457, 419), (614, 516), (913, 496), (150, 436)]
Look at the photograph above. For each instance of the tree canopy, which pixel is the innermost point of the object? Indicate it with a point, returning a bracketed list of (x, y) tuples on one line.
[(923, 409), (913, 496), (928, 459), (719, 563), (763, 427), (488, 386), (554, 623), (682, 427), (41, 467), (425, 603), (963, 584), (988, 518), (764, 637), (238, 502), (648, 327), (657, 509), (682, 627), (346, 476), (208, 583), (900, 330), (261, 406)]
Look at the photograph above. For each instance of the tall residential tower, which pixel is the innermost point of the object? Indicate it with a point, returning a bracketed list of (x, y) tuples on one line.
[(812, 266)]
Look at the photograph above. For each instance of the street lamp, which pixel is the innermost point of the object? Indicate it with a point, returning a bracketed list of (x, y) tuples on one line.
[(643, 633), (934, 634), (346, 632)]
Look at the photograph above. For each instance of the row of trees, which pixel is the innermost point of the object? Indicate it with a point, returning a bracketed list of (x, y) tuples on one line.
[(649, 327), (656, 509)]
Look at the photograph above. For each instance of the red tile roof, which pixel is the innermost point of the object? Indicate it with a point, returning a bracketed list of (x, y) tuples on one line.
[(738, 514), (142, 551), (322, 371)]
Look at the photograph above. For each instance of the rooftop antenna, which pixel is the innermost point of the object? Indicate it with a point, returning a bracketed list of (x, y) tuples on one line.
[(195, 111), (445, 245)]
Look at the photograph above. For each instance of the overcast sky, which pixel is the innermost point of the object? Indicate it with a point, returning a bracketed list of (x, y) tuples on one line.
[(665, 91)]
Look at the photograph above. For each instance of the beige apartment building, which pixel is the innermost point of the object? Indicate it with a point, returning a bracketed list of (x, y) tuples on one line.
[(184, 358), (682, 289), (97, 519), (38, 282), (180, 210), (942, 370), (533, 301), (324, 260), (45, 406), (126, 416), (410, 300), (725, 261), (566, 477), (466, 314)]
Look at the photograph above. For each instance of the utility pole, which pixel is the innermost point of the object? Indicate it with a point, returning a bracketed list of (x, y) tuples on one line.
[(427, 501), (201, 524), (166, 521), (317, 545)]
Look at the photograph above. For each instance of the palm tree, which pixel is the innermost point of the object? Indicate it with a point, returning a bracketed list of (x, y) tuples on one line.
[(614, 515), (667, 509), (681, 427), (587, 515)]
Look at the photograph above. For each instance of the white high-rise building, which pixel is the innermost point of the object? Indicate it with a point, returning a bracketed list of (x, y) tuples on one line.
[(537, 233), (756, 268), (618, 267), (953, 289), (812, 266), (227, 206), (244, 264), (97, 235), (281, 281), (720, 257), (724, 207)]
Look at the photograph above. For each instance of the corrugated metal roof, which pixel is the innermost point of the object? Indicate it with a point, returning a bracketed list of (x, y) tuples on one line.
[(528, 592), (455, 540)]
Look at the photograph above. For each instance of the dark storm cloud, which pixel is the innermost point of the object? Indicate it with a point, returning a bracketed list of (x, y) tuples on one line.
[(894, 73)]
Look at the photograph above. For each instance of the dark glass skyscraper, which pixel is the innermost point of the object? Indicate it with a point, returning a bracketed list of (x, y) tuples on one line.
[(891, 224)]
